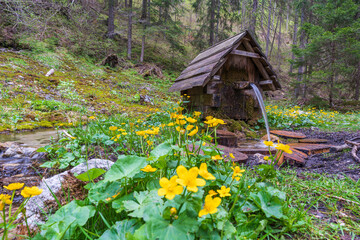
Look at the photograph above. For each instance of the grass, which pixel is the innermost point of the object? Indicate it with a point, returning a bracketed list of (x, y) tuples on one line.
[(331, 203)]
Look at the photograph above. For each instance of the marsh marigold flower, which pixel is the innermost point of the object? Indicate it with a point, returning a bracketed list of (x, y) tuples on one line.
[(210, 206), (224, 192), (148, 168), (189, 127), (173, 211), (191, 120), (92, 117), (237, 173), (31, 191), (188, 178), (193, 132), (285, 148), (170, 188), (197, 114), (216, 157), (212, 193), (14, 186), (269, 143), (231, 155), (204, 172), (113, 128)]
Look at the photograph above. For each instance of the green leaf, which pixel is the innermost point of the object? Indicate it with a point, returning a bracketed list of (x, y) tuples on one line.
[(270, 205), (160, 152), (103, 190), (181, 229), (120, 230), (66, 220), (144, 200), (91, 174), (125, 166)]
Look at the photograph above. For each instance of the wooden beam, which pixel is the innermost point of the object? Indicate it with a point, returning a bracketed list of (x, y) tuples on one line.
[(256, 61), (267, 84), (245, 53)]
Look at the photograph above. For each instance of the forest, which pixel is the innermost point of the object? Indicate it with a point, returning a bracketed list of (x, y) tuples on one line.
[(179, 119)]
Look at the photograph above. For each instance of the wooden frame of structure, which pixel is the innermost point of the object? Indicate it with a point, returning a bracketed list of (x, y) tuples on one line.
[(219, 78)]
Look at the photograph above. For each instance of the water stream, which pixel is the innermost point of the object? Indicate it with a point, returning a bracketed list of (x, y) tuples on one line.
[(262, 106)]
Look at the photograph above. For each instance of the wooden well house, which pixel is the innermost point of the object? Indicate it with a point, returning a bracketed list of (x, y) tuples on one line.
[(219, 78)]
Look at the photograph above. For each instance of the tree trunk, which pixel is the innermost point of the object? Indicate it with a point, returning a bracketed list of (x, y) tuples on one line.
[(294, 40), (262, 13), (144, 21), (129, 35), (212, 22), (287, 17), (253, 18), (332, 75), (217, 21), (273, 40), (300, 75), (111, 25), (268, 30), (279, 40), (357, 83)]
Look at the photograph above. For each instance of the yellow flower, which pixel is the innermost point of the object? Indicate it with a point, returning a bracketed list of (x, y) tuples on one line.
[(171, 124), (285, 148), (237, 173), (269, 143), (149, 142), (92, 117), (193, 132), (189, 127), (5, 198), (148, 168), (197, 114), (212, 193), (224, 192), (204, 172), (191, 120), (266, 158), (216, 157), (170, 188), (124, 133), (188, 178), (31, 191), (112, 128), (173, 211), (231, 155), (209, 118), (14, 186), (2, 205), (210, 205)]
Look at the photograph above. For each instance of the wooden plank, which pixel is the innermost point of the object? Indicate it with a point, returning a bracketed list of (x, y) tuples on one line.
[(267, 85), (197, 71), (213, 87), (313, 140), (226, 44), (189, 83), (244, 53), (288, 134), (240, 85), (212, 59), (195, 91), (311, 149), (296, 156), (256, 61)]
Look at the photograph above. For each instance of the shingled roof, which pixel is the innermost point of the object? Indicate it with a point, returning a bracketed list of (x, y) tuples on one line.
[(202, 68)]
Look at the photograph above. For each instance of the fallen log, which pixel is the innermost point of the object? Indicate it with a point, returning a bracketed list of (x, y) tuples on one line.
[(355, 149)]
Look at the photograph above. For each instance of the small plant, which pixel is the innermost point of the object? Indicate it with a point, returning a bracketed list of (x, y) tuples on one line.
[(68, 91), (5, 199)]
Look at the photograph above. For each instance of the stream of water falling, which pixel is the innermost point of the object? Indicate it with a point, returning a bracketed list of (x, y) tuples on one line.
[(262, 106)]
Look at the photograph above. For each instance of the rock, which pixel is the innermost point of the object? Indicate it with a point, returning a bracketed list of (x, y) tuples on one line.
[(273, 138), (260, 158), (36, 204), (50, 72), (146, 99), (16, 151), (4, 146)]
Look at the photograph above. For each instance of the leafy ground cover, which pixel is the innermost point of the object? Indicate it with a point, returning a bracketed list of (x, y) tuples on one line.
[(296, 117), (78, 88)]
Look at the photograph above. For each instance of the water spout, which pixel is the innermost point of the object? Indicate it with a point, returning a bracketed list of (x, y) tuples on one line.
[(262, 106)]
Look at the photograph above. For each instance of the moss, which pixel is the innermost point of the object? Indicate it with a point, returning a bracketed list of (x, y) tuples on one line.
[(45, 124), (25, 126)]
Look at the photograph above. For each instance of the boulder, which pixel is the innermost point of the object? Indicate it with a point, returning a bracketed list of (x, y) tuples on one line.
[(36, 204)]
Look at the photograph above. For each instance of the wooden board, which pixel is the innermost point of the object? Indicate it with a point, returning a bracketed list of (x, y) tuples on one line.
[(288, 134), (245, 53), (226, 138), (189, 83), (226, 44), (311, 149), (195, 72), (313, 140)]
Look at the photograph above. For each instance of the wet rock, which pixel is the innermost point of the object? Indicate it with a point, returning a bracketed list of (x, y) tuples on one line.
[(16, 151), (145, 99), (36, 204), (260, 159)]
